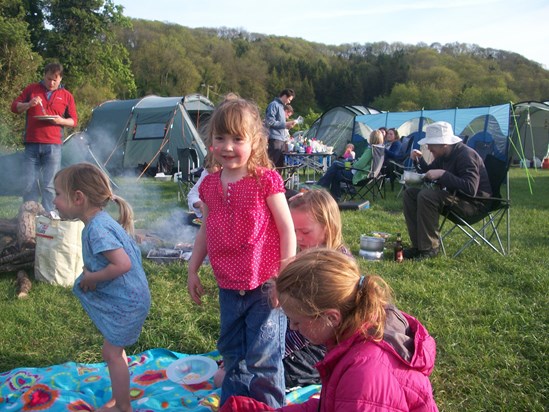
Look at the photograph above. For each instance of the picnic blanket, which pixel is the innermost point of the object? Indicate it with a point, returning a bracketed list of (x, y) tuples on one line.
[(84, 387)]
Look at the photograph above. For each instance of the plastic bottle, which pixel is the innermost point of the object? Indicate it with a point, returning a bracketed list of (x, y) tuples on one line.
[(399, 250)]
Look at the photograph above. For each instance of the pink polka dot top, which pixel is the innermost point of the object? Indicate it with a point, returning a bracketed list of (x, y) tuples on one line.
[(242, 239)]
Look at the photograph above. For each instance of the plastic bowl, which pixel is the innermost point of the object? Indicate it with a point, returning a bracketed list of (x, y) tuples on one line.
[(366, 254), (191, 370), (413, 178)]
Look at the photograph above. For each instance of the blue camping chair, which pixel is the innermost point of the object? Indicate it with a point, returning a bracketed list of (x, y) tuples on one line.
[(482, 142), (397, 167)]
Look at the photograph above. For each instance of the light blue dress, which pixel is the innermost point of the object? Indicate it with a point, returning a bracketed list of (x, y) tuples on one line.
[(117, 307)]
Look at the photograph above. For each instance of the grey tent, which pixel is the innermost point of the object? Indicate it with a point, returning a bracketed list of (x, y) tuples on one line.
[(123, 134), (337, 127), (530, 137), (130, 134)]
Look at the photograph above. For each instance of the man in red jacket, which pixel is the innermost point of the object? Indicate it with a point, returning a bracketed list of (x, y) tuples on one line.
[(49, 107)]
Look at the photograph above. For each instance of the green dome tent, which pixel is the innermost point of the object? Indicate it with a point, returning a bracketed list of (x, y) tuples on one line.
[(128, 134), (337, 127), (124, 134)]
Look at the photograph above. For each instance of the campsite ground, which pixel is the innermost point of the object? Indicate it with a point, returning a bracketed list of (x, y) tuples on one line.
[(487, 313)]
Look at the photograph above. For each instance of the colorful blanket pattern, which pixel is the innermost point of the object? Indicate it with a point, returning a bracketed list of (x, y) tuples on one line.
[(85, 387)]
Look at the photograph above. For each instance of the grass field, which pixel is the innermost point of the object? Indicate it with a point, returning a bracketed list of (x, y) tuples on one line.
[(489, 314)]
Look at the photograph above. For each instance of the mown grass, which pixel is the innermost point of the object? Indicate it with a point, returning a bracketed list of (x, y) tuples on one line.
[(489, 314)]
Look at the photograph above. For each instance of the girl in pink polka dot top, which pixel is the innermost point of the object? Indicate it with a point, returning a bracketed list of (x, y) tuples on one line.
[(248, 234)]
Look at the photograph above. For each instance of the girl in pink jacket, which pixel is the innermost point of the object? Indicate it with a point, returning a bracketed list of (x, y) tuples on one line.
[(378, 359)]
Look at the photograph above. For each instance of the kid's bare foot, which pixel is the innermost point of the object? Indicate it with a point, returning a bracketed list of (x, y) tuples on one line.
[(109, 404), (112, 407)]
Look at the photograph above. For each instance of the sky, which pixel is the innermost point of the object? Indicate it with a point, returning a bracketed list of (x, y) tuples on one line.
[(511, 25)]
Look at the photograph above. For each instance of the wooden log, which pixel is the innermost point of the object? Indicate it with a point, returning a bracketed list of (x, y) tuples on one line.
[(8, 226), (26, 224), (24, 284), (8, 267), (26, 255), (6, 241)]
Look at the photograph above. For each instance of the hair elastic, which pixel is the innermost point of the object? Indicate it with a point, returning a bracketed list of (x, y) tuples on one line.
[(361, 281)]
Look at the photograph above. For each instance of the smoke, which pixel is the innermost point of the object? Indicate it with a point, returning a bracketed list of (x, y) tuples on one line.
[(160, 219), (174, 229)]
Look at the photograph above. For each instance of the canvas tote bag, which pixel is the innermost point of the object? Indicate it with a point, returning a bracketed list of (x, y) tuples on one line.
[(58, 255)]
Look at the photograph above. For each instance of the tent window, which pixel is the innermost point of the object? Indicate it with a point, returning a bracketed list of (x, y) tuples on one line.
[(150, 131)]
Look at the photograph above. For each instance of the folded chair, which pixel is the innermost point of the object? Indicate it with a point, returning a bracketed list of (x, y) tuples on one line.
[(189, 171), (374, 183), (484, 227), (290, 175)]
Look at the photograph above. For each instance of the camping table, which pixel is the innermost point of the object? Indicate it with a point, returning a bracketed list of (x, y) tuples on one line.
[(312, 163)]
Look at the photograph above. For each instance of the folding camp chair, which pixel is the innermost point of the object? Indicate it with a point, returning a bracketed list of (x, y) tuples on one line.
[(374, 183), (497, 207), (290, 175), (189, 171)]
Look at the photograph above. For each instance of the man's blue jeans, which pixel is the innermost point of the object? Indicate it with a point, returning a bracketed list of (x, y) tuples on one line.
[(42, 162), (333, 177), (251, 343)]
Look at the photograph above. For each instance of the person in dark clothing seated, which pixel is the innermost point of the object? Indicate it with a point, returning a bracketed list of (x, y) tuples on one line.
[(393, 147), (339, 171), (456, 169), (392, 144)]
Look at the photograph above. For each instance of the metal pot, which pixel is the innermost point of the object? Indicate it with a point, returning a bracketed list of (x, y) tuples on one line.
[(371, 243), (413, 178)]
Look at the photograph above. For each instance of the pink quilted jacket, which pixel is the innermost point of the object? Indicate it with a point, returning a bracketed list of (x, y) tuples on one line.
[(391, 375)]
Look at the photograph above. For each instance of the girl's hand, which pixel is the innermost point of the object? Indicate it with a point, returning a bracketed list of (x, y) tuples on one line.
[(195, 288), (86, 281)]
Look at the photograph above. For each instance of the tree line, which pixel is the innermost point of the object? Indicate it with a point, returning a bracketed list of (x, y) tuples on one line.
[(107, 55)]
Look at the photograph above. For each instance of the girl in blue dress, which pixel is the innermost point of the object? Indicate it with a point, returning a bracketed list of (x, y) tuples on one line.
[(112, 288)]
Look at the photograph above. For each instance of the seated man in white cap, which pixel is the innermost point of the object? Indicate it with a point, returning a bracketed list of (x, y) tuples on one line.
[(456, 169)]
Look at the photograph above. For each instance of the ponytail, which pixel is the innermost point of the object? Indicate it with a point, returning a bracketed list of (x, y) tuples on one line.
[(126, 214)]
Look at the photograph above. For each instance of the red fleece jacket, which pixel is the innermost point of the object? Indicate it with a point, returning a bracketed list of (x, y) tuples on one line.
[(60, 103)]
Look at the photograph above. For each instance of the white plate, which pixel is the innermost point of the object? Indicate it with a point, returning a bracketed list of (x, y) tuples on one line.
[(191, 370), (45, 117)]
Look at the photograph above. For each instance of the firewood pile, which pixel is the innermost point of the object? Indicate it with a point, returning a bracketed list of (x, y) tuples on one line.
[(17, 244)]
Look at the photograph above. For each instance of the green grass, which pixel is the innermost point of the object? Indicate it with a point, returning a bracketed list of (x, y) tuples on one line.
[(489, 314)]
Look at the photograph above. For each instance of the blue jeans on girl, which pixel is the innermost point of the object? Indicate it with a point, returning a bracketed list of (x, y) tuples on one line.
[(252, 345)]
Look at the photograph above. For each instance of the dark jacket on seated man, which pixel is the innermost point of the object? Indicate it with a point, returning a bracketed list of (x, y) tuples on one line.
[(465, 171), (456, 170)]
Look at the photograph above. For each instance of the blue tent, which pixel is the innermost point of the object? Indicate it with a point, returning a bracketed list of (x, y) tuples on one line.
[(481, 123)]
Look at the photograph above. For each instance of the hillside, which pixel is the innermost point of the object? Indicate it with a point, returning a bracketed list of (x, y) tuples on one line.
[(107, 55)]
